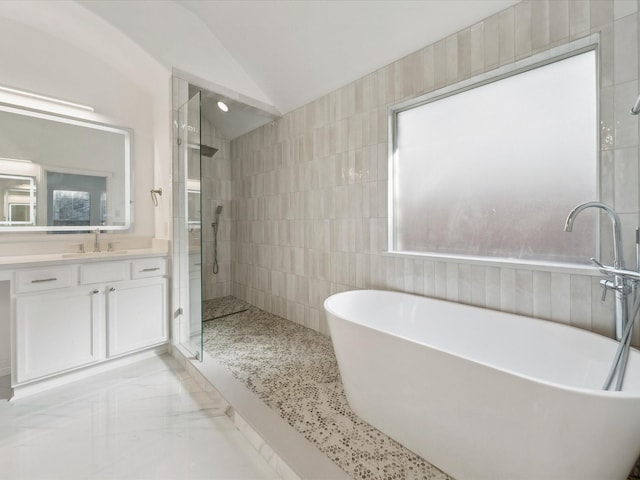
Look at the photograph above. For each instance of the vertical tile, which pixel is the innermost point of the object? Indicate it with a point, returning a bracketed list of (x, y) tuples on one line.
[(478, 285), (542, 295), (560, 297), (579, 18), (626, 180), (522, 19), (414, 74), (607, 125), (626, 125), (606, 56), (507, 290), (492, 276), (464, 54), (622, 8), (408, 275), (452, 282), (492, 42), (524, 292), (418, 277), (440, 64), (464, 283), (540, 25), (451, 59), (580, 301), (625, 49), (429, 278), (601, 13), (558, 20), (398, 80), (507, 36), (440, 277), (477, 48), (429, 68)]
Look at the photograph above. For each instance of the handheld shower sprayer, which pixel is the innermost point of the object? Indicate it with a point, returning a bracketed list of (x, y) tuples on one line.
[(216, 268)]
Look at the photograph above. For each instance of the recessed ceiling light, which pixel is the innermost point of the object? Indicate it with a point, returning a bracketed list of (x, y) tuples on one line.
[(223, 106)]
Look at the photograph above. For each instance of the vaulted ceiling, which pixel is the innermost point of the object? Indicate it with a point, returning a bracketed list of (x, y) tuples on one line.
[(285, 53)]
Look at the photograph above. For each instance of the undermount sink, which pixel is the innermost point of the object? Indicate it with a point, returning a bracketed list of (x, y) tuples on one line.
[(94, 254)]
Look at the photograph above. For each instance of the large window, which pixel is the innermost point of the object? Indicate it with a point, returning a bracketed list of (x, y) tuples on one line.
[(492, 169)]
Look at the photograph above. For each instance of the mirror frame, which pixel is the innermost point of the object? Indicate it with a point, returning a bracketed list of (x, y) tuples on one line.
[(127, 134)]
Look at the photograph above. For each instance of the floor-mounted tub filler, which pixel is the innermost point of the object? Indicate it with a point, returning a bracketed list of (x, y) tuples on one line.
[(483, 394)]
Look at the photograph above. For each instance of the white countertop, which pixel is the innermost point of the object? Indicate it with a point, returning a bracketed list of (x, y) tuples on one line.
[(27, 260)]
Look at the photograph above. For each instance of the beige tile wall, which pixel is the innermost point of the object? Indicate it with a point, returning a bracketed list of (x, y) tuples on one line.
[(216, 190), (310, 190)]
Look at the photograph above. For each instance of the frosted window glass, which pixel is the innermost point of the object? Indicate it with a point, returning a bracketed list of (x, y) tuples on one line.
[(494, 170)]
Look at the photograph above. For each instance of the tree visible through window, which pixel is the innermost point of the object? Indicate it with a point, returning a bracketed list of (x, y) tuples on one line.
[(494, 170)]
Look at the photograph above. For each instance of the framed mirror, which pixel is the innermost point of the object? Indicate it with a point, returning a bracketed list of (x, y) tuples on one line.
[(60, 173)]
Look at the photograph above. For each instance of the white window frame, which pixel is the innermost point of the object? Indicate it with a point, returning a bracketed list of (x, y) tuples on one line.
[(568, 50)]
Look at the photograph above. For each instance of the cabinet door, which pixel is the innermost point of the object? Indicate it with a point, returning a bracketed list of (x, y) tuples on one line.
[(57, 331), (136, 315)]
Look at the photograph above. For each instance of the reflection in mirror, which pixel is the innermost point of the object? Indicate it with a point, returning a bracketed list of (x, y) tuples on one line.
[(60, 173), (19, 200)]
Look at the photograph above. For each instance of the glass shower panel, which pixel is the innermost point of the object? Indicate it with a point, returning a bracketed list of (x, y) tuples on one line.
[(189, 162)]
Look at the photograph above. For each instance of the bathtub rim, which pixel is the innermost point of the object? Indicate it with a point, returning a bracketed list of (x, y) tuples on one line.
[(578, 390)]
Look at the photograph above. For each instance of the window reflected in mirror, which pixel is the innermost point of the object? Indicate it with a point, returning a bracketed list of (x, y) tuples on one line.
[(19, 200)]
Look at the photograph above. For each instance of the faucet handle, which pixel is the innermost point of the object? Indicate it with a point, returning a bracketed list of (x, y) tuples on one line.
[(605, 286), (597, 262)]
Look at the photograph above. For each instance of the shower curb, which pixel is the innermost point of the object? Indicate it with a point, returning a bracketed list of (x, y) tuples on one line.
[(288, 452)]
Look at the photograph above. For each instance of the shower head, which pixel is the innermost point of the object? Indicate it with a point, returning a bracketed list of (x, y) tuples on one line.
[(207, 151), (218, 209)]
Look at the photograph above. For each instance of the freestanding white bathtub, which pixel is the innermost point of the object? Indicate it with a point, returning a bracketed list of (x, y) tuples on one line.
[(484, 394)]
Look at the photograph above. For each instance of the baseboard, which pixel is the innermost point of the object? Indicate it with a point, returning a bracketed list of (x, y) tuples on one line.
[(37, 386)]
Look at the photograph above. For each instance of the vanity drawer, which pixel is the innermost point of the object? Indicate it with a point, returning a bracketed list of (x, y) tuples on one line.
[(148, 267), (104, 272), (38, 279)]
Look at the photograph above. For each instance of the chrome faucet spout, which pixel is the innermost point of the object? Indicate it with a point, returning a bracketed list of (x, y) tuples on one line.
[(616, 225)]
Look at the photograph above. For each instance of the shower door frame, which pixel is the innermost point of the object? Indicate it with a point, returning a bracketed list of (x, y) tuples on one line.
[(188, 139)]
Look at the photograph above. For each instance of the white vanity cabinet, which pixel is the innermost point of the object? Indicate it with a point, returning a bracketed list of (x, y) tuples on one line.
[(57, 331), (134, 313), (73, 315)]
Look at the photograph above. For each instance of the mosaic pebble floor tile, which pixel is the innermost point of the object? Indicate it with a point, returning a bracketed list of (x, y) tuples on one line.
[(294, 371)]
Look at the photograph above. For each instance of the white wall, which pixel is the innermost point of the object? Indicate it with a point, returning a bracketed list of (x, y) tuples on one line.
[(60, 49)]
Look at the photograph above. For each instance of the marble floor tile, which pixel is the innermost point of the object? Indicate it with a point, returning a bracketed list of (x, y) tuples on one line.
[(149, 420)]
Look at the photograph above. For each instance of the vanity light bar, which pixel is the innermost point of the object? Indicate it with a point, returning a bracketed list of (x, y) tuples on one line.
[(59, 101)]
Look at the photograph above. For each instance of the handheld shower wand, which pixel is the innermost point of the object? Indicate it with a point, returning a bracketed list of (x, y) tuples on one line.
[(216, 268)]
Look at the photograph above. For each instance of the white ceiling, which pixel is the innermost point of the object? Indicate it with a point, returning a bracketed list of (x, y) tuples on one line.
[(286, 53), (297, 51)]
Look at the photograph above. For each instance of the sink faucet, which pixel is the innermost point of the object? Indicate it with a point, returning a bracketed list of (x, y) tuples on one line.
[(620, 283), (96, 244)]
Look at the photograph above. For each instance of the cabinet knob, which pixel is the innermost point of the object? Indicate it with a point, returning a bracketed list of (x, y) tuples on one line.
[(112, 289)]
